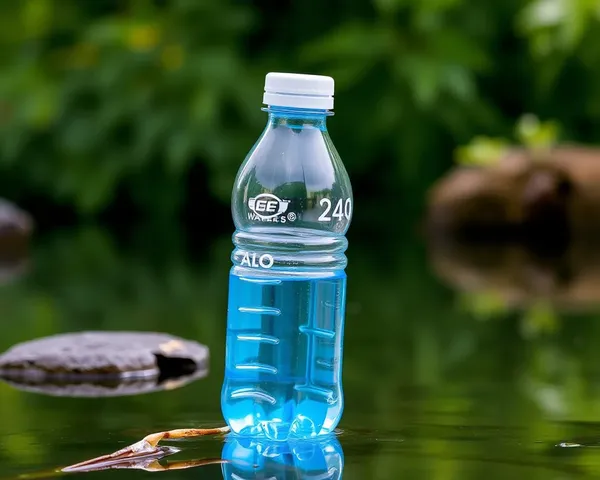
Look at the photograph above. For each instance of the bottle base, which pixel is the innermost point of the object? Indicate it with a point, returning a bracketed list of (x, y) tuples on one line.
[(299, 429)]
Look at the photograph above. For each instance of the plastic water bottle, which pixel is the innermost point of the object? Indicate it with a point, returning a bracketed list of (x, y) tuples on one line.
[(247, 459), (291, 205)]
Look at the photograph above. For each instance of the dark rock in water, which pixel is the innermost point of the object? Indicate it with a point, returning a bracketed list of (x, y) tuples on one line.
[(13, 220), (15, 229), (91, 357)]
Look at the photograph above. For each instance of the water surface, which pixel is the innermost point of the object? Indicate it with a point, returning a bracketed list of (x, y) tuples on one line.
[(441, 381)]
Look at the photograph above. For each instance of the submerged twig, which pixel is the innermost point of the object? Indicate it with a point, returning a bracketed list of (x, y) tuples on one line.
[(145, 453)]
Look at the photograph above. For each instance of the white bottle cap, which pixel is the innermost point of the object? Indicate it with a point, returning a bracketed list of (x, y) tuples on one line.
[(298, 91)]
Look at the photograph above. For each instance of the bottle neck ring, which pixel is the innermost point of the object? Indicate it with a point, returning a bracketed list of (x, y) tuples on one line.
[(296, 112), (297, 117)]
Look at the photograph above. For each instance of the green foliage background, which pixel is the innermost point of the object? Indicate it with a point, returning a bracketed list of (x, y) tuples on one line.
[(102, 100)]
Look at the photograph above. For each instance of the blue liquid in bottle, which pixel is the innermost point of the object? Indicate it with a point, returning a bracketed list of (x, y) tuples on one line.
[(292, 205)]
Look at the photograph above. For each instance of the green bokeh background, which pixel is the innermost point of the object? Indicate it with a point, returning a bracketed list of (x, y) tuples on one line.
[(153, 104), (122, 125)]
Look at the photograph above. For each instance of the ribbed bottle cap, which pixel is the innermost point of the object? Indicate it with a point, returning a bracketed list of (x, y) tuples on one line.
[(298, 90)]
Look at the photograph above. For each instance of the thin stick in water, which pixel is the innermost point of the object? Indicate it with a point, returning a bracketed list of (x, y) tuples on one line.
[(148, 446)]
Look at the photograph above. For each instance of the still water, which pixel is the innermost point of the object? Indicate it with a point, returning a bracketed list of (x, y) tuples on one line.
[(459, 363)]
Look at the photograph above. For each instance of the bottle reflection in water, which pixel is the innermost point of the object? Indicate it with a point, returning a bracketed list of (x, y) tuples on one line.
[(294, 460)]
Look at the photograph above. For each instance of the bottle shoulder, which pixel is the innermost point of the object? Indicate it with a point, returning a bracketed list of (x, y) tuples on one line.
[(293, 178)]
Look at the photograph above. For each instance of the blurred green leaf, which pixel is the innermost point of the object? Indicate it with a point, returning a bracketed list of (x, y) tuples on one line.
[(424, 77), (560, 23), (164, 86), (482, 151), (388, 6), (486, 305), (535, 134), (37, 17), (349, 42), (179, 151)]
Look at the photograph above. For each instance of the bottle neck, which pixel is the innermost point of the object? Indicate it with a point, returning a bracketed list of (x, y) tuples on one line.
[(297, 118)]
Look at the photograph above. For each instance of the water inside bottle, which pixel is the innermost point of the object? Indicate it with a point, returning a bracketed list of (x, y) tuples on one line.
[(283, 361)]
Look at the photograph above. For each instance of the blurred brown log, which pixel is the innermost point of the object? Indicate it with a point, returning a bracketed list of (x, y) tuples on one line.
[(556, 191)]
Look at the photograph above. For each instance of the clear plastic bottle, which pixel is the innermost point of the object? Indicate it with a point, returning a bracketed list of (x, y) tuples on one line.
[(291, 205)]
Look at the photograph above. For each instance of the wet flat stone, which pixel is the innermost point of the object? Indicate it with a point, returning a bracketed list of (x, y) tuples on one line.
[(90, 356)]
